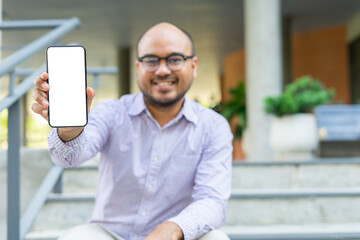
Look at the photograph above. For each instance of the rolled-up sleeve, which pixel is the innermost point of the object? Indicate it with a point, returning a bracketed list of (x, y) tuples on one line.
[(212, 186)]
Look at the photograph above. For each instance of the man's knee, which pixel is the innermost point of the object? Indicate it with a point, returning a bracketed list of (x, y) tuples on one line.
[(214, 235), (86, 231)]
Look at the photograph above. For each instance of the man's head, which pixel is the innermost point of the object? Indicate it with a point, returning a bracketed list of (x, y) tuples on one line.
[(166, 64)]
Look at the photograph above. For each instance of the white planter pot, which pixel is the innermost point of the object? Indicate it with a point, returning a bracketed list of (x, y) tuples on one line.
[(294, 137)]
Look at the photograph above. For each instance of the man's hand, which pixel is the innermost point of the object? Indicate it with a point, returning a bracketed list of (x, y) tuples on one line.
[(166, 231), (40, 94)]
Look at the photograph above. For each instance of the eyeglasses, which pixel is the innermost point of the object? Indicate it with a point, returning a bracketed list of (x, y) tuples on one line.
[(175, 62)]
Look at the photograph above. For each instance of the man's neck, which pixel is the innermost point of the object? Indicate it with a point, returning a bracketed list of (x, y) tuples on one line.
[(163, 115)]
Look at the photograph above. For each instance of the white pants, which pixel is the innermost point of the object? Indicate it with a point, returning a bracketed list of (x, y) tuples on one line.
[(94, 231)]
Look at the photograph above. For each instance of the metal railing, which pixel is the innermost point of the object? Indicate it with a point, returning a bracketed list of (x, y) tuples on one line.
[(18, 227)]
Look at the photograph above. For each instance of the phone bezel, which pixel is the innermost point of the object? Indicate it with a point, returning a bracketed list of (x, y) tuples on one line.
[(48, 93)]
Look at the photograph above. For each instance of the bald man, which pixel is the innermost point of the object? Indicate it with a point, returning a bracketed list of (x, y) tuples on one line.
[(165, 167)]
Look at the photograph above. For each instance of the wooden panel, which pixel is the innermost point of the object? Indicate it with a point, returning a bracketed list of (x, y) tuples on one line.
[(323, 54)]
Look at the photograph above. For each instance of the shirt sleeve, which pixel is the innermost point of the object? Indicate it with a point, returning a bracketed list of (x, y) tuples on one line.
[(89, 142), (212, 186)]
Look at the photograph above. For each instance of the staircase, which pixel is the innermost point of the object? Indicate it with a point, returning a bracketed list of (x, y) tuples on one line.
[(272, 200), (295, 200)]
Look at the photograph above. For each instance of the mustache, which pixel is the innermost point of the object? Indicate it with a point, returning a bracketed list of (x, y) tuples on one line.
[(164, 78)]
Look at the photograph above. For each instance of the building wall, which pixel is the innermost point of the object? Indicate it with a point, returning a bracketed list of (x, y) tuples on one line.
[(321, 53), (234, 71)]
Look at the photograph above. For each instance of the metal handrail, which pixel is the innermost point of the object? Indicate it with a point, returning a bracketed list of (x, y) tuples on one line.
[(12, 102), (16, 228), (9, 63)]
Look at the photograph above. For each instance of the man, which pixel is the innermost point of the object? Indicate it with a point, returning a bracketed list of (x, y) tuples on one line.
[(165, 167)]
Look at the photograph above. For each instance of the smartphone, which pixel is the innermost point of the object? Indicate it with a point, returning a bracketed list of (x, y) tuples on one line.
[(66, 67)]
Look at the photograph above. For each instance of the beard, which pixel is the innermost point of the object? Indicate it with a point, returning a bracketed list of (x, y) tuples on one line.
[(163, 103)]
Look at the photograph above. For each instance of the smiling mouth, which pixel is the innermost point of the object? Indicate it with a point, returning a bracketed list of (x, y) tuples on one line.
[(164, 82)]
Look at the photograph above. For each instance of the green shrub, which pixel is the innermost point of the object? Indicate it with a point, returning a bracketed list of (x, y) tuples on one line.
[(236, 107), (300, 96)]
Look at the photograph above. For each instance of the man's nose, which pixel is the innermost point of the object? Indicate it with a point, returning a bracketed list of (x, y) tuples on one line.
[(163, 68)]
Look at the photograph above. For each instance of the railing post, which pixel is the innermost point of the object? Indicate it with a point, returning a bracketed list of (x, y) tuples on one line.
[(96, 82), (13, 170), (11, 83), (58, 185)]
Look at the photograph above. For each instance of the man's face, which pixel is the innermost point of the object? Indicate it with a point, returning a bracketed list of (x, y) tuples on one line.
[(164, 87)]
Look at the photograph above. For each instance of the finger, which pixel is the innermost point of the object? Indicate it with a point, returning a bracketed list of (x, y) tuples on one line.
[(39, 109), (44, 76), (41, 82), (38, 95), (90, 93)]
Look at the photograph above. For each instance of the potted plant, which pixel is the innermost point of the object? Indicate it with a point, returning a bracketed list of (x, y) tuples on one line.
[(293, 133), (234, 111)]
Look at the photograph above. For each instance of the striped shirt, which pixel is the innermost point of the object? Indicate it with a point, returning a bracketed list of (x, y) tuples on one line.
[(149, 174)]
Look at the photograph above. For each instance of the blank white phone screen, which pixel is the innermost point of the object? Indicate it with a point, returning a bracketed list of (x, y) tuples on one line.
[(66, 66)]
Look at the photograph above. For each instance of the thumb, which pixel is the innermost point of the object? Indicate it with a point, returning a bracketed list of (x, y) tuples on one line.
[(90, 93)]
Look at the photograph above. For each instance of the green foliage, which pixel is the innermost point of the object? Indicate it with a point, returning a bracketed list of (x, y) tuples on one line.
[(3, 127), (301, 96), (236, 107)]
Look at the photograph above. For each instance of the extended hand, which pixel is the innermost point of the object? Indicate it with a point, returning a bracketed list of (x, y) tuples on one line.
[(40, 94)]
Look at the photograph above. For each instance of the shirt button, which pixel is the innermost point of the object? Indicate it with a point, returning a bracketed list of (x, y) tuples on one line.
[(143, 214), (155, 158), (149, 187)]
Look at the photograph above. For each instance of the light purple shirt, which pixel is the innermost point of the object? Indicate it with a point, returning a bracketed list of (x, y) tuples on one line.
[(148, 174)]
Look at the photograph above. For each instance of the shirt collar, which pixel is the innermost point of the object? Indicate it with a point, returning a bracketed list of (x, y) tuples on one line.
[(138, 106), (188, 111)]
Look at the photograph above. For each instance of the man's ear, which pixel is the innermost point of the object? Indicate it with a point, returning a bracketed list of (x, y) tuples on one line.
[(194, 66)]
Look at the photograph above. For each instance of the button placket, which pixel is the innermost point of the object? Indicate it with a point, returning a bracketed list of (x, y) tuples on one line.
[(150, 184)]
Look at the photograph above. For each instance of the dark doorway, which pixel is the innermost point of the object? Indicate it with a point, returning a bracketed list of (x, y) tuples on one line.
[(354, 54)]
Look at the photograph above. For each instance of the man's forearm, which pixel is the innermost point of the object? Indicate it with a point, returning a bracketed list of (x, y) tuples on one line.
[(166, 231), (68, 134)]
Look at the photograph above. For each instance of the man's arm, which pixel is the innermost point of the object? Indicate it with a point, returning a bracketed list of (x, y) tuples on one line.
[(212, 186), (69, 147), (166, 231)]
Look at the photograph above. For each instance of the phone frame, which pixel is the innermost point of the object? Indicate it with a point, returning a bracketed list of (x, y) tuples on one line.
[(48, 93)]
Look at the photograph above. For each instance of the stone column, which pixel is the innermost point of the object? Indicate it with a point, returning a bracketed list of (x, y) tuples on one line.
[(263, 71)]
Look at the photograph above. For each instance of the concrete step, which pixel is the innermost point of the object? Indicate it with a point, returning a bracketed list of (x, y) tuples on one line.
[(259, 208), (330, 173), (266, 175), (81, 179), (275, 232), (246, 207), (61, 215), (294, 232), (269, 232), (34, 165)]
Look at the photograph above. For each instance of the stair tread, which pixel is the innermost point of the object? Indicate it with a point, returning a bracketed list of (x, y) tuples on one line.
[(246, 190), (295, 190), (293, 229), (249, 230)]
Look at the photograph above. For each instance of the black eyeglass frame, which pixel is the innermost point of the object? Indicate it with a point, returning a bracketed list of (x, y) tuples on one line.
[(140, 59)]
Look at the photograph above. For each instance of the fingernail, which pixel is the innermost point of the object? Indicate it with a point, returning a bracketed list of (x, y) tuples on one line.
[(44, 112), (44, 85), (44, 103)]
